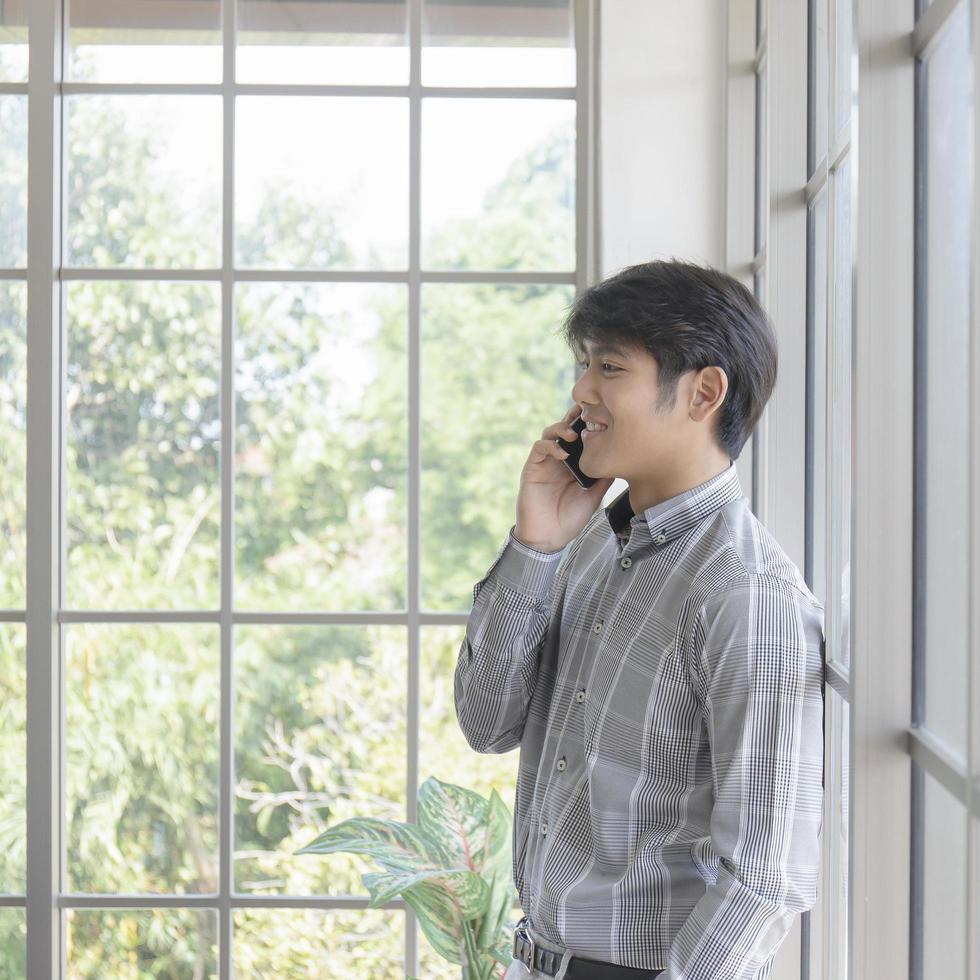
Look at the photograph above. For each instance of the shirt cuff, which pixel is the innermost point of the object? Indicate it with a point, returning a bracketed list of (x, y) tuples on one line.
[(525, 569)]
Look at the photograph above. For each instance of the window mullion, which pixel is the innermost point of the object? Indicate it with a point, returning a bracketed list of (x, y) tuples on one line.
[(43, 498), (414, 596), (226, 788)]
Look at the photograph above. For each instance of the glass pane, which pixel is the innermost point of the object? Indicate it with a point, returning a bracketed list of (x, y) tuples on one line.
[(498, 184), (835, 835), (761, 154), (290, 943), (144, 181), (517, 43), (321, 183), (142, 943), (818, 393), (319, 739), (143, 501), (945, 463), (13, 185), (13, 445), (320, 447), (494, 374), (839, 618), (141, 736), (846, 79), (145, 41), (944, 883), (819, 95), (360, 42), (13, 944), (13, 42), (13, 763)]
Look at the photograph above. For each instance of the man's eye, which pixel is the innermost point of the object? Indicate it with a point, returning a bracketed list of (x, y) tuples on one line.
[(606, 366)]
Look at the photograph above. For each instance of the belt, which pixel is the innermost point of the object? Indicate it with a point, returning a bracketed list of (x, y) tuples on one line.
[(536, 957)]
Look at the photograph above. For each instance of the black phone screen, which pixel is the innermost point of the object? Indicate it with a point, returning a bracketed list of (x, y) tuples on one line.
[(574, 450)]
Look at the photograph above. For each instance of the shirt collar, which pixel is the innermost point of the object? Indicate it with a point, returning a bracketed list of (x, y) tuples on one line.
[(670, 518)]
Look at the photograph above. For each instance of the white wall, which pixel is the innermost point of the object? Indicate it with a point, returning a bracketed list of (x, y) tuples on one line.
[(662, 131), (662, 153)]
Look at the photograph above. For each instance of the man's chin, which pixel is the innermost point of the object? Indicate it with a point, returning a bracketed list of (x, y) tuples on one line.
[(597, 471)]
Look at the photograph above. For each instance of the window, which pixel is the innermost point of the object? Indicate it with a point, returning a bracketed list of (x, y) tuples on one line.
[(311, 277), (13, 453), (831, 194), (940, 711), (760, 213)]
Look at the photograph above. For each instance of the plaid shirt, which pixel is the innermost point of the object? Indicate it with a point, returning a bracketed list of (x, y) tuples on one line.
[(663, 677)]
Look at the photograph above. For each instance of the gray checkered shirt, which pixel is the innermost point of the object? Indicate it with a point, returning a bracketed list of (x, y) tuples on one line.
[(663, 677)]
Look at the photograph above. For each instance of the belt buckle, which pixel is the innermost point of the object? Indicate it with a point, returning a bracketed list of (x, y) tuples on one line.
[(527, 958), (529, 962)]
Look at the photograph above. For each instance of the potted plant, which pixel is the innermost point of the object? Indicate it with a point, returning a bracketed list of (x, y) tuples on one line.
[(453, 868)]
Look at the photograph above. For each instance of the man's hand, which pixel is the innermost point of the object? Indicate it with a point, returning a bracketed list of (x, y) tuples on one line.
[(552, 507)]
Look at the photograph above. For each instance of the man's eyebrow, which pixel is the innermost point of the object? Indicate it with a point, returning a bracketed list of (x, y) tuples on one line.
[(610, 349)]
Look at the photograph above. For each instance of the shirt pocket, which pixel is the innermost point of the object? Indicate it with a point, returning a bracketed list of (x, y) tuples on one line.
[(637, 715), (632, 661)]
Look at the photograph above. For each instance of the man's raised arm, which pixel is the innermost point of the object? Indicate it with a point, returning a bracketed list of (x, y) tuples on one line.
[(498, 659)]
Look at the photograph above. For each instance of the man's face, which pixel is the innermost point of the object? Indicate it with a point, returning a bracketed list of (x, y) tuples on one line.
[(620, 387)]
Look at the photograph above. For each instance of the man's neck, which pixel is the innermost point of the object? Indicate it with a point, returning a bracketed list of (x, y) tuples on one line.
[(643, 496)]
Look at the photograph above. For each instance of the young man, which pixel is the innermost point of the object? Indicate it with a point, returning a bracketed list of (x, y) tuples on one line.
[(658, 661)]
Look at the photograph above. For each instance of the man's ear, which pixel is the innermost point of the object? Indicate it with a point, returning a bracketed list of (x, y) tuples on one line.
[(709, 389)]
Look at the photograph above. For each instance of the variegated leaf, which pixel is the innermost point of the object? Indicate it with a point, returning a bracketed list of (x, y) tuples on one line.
[(395, 846), (438, 921), (456, 818), (471, 893)]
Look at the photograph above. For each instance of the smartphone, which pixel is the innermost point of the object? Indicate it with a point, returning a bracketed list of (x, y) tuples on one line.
[(574, 450)]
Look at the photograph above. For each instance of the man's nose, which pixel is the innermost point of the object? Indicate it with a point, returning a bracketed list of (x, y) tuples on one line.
[(582, 389)]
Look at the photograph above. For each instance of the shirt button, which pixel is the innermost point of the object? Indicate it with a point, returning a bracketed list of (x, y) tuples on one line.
[(561, 764), (626, 562), (598, 626), (580, 696), (544, 827), (660, 538)]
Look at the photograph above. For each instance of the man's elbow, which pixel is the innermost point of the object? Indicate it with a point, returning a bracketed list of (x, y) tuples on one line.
[(794, 891), (494, 743)]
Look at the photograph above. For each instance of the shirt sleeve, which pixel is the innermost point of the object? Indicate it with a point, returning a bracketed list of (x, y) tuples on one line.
[(757, 671), (497, 664)]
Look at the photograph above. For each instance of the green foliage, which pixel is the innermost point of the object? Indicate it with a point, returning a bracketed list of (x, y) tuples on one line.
[(13, 179), (453, 868)]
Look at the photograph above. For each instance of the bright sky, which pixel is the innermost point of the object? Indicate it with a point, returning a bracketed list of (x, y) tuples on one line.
[(351, 151)]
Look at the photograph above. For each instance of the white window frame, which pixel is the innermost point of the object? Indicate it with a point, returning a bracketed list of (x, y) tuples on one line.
[(45, 900), (930, 757)]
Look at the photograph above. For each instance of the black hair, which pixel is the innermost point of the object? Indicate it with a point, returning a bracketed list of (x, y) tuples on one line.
[(688, 317)]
